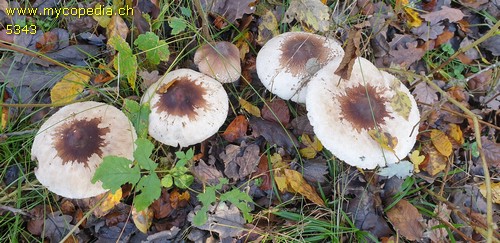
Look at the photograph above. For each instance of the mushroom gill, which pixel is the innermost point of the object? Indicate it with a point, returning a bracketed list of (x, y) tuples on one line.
[(363, 107), (302, 50), (181, 97), (78, 140)]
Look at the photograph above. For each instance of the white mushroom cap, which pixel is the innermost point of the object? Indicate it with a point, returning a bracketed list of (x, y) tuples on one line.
[(287, 61), (343, 112), (71, 144), (187, 107), (220, 60)]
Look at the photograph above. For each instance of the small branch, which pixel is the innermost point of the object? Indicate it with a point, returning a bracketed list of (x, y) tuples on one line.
[(13, 210), (42, 57), (460, 114), (489, 34), (204, 21)]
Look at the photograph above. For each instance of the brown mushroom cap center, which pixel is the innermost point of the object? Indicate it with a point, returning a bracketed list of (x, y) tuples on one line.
[(301, 51), (181, 98), (363, 107), (78, 140)]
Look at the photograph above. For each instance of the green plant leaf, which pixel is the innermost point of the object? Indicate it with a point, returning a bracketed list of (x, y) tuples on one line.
[(167, 181), (150, 187), (125, 62), (138, 115), (115, 171), (143, 152), (178, 25), (240, 200), (186, 12), (184, 181), (156, 49)]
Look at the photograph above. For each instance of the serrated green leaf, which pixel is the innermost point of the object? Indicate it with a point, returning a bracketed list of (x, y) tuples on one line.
[(143, 152), (167, 181), (190, 154), (186, 12), (150, 187), (115, 171), (240, 200), (201, 217), (184, 181), (125, 62), (138, 115), (178, 25), (155, 49)]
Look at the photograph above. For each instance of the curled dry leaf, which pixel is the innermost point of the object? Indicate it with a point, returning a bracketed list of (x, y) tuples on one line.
[(406, 220), (111, 200), (434, 162), (142, 219), (236, 130), (293, 181), (247, 106)]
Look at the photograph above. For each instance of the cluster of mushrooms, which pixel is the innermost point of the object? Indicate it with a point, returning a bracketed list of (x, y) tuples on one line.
[(188, 107)]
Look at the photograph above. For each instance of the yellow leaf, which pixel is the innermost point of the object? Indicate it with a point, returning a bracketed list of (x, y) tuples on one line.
[(412, 17), (401, 103), (4, 117), (456, 133), (108, 203), (247, 106), (416, 159), (281, 183), (312, 148), (437, 162), (117, 27), (243, 46), (441, 142), (385, 139), (102, 19), (71, 85), (495, 191), (142, 219), (297, 183), (268, 27)]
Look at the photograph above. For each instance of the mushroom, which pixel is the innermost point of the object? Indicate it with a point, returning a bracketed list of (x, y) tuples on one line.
[(287, 61), (71, 144), (220, 60), (187, 107), (369, 120)]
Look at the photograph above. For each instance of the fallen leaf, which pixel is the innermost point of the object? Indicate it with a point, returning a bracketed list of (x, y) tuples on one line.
[(47, 42), (424, 93), (162, 207), (237, 129), (71, 85), (406, 220), (491, 152), (314, 171), (240, 161), (312, 147), (312, 14), (111, 200), (495, 191), (224, 220), (434, 162), (384, 139), (401, 170), (117, 28), (416, 159), (205, 173), (274, 133), (178, 200), (231, 10), (148, 78), (451, 14), (412, 17), (57, 226), (293, 181), (102, 19), (405, 56), (433, 231), (142, 219), (276, 110), (247, 106), (441, 142), (456, 133), (401, 104), (352, 51), (268, 27), (264, 173)]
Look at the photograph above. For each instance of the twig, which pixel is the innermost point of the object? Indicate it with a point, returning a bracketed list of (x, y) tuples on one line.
[(466, 80), (13, 210), (19, 133), (40, 56), (462, 115), (204, 21), (459, 213), (489, 34)]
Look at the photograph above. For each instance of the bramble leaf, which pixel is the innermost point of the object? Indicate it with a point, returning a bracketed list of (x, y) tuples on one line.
[(156, 49), (178, 25), (143, 152), (125, 62), (115, 171), (150, 187)]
